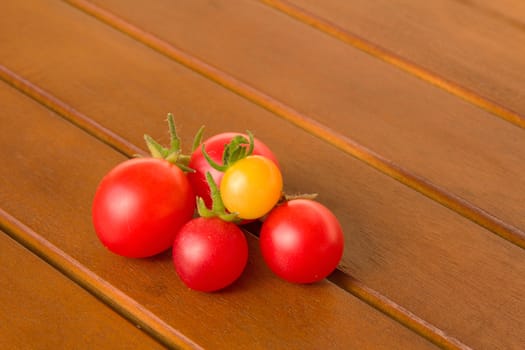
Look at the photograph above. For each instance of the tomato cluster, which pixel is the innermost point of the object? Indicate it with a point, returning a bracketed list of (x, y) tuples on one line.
[(145, 206)]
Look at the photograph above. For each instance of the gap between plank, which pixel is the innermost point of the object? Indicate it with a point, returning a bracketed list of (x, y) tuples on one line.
[(395, 60), (94, 284), (85, 123), (109, 294), (395, 311), (347, 145)]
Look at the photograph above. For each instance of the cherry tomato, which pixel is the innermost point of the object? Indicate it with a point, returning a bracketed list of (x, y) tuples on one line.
[(251, 187), (140, 205), (301, 241), (214, 146), (209, 254)]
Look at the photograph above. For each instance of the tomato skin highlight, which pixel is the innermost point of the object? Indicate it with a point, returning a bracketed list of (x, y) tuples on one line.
[(140, 205), (214, 146), (209, 254), (301, 241), (251, 187)]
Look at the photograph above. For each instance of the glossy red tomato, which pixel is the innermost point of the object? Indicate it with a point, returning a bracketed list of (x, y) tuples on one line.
[(214, 146), (209, 254), (140, 205), (301, 241)]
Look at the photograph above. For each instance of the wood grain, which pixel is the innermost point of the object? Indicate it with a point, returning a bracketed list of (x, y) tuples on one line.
[(462, 41), (411, 67), (355, 287), (41, 309), (426, 135), (243, 316), (511, 12), (398, 242)]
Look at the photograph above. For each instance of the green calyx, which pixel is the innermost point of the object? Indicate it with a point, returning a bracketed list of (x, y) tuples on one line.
[(173, 154), (238, 148), (218, 209)]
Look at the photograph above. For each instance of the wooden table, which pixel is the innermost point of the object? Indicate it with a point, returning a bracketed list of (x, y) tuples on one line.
[(406, 117)]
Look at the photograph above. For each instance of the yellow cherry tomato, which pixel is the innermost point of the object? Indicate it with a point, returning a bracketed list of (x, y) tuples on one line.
[(251, 187)]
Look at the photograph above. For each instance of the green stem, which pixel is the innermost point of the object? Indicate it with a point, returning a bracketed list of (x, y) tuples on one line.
[(217, 209), (197, 140), (174, 137), (154, 147), (238, 148), (214, 165), (173, 154)]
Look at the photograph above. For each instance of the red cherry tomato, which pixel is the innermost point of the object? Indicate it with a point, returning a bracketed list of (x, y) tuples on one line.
[(215, 147), (140, 205), (301, 241), (209, 254)]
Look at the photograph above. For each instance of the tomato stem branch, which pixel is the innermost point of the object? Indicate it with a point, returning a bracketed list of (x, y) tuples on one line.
[(197, 139), (217, 209), (173, 154), (238, 148)]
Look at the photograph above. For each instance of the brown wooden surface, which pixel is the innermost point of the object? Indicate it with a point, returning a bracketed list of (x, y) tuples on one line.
[(42, 309), (443, 274), (253, 313), (418, 126), (510, 11), (463, 42)]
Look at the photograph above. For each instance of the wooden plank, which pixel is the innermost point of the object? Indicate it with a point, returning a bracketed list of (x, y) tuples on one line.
[(471, 49), (357, 288), (260, 311), (435, 135), (390, 230), (510, 11), (41, 309)]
